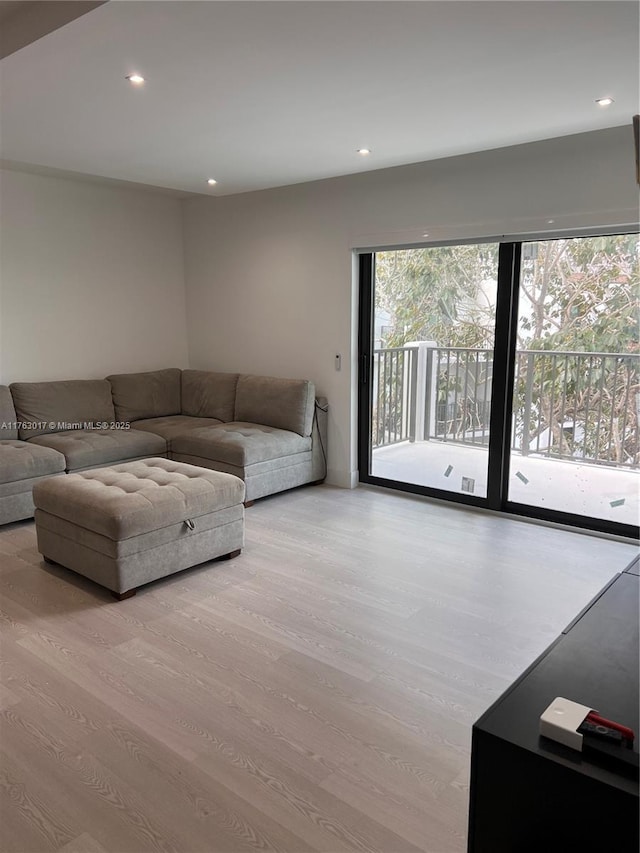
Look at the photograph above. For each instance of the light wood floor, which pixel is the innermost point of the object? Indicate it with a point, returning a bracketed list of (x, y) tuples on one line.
[(315, 694)]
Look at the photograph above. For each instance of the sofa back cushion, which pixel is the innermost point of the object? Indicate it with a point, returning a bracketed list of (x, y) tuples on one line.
[(155, 394), (8, 428), (280, 403), (44, 407), (206, 394)]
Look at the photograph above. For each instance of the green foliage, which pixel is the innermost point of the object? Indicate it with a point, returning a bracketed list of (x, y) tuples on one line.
[(439, 294), (581, 295), (576, 295), (587, 402)]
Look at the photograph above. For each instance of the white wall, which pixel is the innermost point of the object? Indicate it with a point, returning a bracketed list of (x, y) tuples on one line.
[(269, 275), (91, 279)]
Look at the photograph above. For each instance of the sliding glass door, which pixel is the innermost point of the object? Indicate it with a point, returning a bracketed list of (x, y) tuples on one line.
[(505, 375), (432, 366), (576, 395)]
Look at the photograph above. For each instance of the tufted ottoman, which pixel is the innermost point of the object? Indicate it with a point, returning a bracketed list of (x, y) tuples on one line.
[(129, 524)]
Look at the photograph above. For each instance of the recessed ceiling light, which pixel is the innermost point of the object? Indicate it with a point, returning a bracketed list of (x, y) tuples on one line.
[(136, 79), (212, 182), (550, 221), (425, 235), (604, 102), (364, 151)]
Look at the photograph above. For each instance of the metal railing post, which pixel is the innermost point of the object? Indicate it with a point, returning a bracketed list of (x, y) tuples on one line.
[(429, 396), (420, 387), (528, 396), (414, 366)]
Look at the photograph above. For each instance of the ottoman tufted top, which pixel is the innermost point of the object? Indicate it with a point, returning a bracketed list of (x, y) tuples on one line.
[(137, 497)]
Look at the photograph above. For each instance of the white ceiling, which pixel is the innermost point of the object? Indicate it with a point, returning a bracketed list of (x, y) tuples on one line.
[(263, 94)]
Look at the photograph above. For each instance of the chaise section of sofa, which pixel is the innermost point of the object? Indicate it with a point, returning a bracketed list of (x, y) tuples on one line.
[(76, 417), (21, 465), (273, 442), (262, 429)]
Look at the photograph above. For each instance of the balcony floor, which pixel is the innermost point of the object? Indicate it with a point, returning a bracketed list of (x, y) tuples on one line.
[(592, 490)]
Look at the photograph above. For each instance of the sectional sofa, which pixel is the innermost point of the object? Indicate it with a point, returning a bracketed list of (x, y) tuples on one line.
[(270, 432)]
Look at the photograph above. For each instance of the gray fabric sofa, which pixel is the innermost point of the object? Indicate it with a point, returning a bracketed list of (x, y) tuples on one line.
[(269, 432), (22, 465)]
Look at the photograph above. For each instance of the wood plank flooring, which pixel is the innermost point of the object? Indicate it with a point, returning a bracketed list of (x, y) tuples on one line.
[(315, 694)]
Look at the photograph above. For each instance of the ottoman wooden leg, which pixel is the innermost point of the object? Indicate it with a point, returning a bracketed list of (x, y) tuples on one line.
[(120, 596), (49, 560), (231, 554), (248, 503)]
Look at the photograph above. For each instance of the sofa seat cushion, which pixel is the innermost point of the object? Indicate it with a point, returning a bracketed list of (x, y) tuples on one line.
[(241, 444), (21, 460), (174, 425), (89, 448), (136, 498)]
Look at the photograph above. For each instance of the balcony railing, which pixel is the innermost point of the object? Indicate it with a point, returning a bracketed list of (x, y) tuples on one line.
[(395, 376), (567, 405)]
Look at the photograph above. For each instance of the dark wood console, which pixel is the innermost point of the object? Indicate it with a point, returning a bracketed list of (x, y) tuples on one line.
[(531, 794)]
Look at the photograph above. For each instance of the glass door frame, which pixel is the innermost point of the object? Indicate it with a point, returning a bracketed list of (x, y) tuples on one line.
[(506, 328)]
